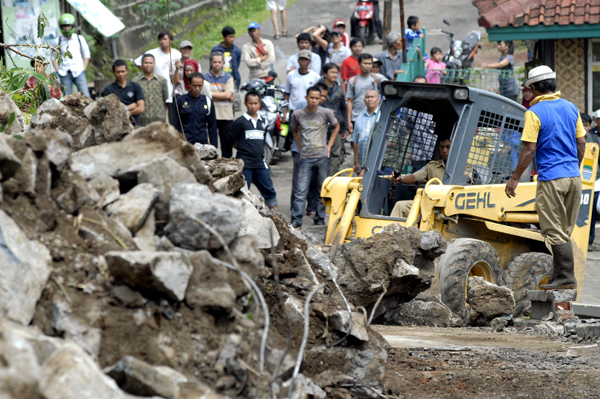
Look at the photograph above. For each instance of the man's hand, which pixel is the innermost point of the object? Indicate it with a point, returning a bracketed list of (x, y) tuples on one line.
[(292, 68), (350, 127), (263, 58), (343, 135), (397, 180), (328, 151), (511, 186), (356, 168), (178, 64)]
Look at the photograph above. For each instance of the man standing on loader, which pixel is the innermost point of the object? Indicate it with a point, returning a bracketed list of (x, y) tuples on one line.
[(554, 133)]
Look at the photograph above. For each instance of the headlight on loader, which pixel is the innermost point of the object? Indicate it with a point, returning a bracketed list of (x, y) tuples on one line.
[(461, 94)]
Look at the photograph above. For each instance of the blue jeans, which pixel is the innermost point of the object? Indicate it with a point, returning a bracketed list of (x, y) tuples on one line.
[(306, 169), (262, 180), (80, 81), (314, 191)]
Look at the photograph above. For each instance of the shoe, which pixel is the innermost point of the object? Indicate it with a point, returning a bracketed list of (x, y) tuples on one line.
[(296, 225), (311, 213), (563, 274), (319, 222)]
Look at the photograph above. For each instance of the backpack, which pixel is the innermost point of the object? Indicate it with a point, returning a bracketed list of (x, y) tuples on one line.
[(78, 39)]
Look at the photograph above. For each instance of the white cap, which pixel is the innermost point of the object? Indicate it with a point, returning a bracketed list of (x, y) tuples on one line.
[(597, 114), (538, 74)]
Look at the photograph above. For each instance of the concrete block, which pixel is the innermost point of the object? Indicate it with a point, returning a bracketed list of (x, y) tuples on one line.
[(590, 331), (537, 295), (562, 295), (541, 310), (522, 322), (586, 310)]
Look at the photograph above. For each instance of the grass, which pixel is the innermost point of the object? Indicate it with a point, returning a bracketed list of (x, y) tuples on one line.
[(238, 15)]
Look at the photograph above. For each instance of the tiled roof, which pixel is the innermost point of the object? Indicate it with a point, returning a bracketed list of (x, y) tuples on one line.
[(503, 13)]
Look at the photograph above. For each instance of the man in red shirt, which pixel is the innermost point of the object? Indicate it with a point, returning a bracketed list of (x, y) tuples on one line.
[(350, 66)]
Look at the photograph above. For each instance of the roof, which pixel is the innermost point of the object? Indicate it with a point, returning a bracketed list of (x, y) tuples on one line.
[(517, 13)]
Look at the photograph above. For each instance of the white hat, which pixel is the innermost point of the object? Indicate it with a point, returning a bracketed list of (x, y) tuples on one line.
[(597, 114), (538, 74)]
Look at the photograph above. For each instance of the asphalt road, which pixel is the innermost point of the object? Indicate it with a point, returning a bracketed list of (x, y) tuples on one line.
[(304, 13)]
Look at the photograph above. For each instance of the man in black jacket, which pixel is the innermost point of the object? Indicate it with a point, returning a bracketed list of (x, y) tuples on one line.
[(335, 101), (194, 114)]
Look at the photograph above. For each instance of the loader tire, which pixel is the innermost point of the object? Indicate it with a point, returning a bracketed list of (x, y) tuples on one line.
[(526, 272), (464, 258)]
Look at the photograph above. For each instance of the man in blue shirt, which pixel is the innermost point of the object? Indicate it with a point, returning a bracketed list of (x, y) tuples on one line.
[(194, 114), (362, 131), (554, 133)]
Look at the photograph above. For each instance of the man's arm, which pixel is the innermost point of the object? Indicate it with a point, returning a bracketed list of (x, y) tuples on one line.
[(212, 126), (524, 162), (86, 53), (248, 59), (137, 107), (349, 106), (226, 95), (297, 137), (334, 133), (580, 149)]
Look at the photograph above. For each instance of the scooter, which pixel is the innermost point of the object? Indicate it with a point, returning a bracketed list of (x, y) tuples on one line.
[(460, 54), (272, 105), (363, 21)]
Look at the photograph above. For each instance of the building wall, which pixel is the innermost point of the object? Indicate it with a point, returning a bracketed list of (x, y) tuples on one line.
[(569, 64)]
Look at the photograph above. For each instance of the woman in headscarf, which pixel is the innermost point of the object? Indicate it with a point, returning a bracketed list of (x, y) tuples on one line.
[(189, 67), (527, 97)]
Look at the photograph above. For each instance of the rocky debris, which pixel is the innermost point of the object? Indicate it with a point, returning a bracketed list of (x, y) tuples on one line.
[(382, 261), (103, 233), (87, 122), (125, 159), (206, 152), (419, 313), (107, 188), (255, 200), (8, 107), (499, 324), (73, 193), (56, 145), (557, 304), (128, 297), (73, 329), (249, 258), (315, 234), (223, 167), (208, 287), (164, 174), (26, 267), (133, 208), (161, 272), (253, 223), (193, 202), (9, 162), (231, 184), (488, 301), (340, 321)]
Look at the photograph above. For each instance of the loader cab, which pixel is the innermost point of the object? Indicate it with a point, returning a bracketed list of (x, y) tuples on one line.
[(485, 130)]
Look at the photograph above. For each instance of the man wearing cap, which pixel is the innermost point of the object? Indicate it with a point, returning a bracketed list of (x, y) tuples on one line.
[(259, 54), (340, 25), (391, 59), (186, 48), (304, 42), (299, 80), (337, 52), (165, 59), (554, 133)]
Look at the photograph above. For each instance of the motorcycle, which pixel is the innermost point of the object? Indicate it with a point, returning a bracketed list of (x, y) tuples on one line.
[(363, 21), (272, 105), (460, 54)]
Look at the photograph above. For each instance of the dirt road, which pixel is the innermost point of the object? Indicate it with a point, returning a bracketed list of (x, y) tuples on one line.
[(477, 363)]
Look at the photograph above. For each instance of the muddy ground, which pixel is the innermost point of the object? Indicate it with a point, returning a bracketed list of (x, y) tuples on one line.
[(487, 365)]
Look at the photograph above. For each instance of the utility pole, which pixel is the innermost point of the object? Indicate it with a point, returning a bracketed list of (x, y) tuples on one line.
[(387, 21), (402, 29)]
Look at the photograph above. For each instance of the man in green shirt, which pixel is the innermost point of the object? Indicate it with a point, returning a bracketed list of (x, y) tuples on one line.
[(155, 91)]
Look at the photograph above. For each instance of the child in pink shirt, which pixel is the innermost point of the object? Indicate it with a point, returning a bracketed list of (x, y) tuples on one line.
[(435, 66)]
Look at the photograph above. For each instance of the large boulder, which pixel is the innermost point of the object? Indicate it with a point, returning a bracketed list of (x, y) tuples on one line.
[(26, 267), (163, 273), (488, 301), (125, 159), (419, 313), (383, 259), (133, 208), (253, 223), (110, 119), (164, 174), (193, 202)]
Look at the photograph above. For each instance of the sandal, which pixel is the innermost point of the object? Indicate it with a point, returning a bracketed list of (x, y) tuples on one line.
[(276, 36), (284, 33)]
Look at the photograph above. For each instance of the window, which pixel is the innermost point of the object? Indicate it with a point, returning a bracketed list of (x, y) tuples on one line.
[(594, 75)]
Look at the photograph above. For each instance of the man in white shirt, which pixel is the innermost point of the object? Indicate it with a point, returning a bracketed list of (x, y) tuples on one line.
[(72, 70), (165, 59), (304, 41), (299, 80)]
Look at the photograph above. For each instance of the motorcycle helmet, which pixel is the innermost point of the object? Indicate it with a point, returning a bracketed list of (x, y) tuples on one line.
[(67, 19), (257, 85)]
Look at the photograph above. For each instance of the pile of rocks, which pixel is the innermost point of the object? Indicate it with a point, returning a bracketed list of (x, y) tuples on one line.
[(137, 264)]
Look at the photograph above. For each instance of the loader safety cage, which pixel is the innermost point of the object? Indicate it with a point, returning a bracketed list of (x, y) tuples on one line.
[(485, 129)]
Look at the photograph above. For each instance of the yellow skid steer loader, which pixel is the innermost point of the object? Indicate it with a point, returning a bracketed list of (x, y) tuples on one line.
[(489, 234)]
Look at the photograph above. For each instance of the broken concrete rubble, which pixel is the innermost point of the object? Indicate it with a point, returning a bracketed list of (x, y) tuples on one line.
[(341, 322), (133, 208), (488, 301), (420, 313), (206, 152), (208, 287), (107, 188)]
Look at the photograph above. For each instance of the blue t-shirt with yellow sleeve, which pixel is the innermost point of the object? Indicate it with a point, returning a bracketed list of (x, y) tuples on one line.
[(554, 124)]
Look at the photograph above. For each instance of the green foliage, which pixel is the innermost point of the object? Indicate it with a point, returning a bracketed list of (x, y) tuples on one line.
[(13, 82), (10, 121), (156, 13)]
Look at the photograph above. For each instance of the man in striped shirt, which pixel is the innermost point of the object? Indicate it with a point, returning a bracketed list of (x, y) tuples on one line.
[(222, 89)]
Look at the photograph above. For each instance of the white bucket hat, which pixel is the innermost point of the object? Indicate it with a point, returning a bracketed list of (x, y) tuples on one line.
[(538, 74)]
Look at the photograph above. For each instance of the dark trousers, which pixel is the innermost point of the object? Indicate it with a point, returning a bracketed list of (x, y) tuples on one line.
[(314, 191), (262, 180), (306, 170), (593, 223), (223, 128), (377, 20)]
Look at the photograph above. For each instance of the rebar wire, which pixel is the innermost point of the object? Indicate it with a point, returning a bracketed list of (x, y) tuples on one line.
[(236, 267), (377, 303), (304, 336), (329, 267)]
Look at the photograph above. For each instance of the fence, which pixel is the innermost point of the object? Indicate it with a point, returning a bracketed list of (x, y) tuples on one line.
[(484, 79)]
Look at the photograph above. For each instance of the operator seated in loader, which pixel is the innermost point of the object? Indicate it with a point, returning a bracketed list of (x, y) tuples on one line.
[(434, 169)]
